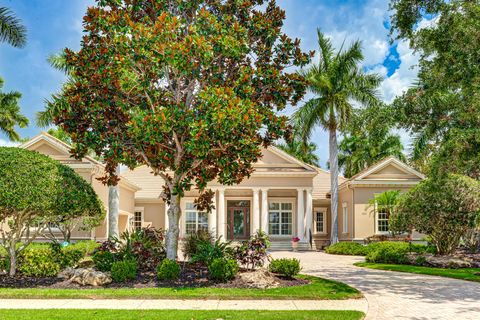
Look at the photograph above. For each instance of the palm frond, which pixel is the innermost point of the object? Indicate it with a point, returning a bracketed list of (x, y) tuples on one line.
[(12, 31)]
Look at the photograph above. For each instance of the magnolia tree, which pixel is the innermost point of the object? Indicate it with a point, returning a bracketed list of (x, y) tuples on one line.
[(36, 190), (190, 88), (445, 208)]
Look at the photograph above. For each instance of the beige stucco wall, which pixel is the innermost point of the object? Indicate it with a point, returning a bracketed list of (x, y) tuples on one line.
[(153, 213)]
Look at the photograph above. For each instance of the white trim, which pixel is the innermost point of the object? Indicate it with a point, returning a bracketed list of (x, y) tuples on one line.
[(141, 210), (281, 200), (288, 157), (322, 210), (376, 217), (344, 218), (388, 161), (182, 221)]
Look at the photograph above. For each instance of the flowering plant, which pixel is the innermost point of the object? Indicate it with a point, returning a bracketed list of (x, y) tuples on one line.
[(295, 239)]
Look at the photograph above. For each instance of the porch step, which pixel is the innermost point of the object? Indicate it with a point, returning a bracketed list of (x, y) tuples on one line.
[(287, 246)]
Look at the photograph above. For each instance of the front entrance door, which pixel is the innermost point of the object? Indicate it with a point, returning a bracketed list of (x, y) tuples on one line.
[(238, 220)]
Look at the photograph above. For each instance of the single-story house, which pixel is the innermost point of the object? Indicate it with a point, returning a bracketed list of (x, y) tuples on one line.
[(283, 197)]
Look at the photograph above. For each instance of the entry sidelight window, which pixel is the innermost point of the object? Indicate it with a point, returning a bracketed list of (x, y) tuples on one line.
[(280, 218), (195, 220)]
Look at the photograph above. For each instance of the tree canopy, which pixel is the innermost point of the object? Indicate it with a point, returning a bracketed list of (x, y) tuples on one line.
[(10, 115), (442, 110), (302, 151), (189, 87), (12, 31)]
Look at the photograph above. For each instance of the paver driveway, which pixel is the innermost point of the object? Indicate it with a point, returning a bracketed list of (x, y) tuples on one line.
[(396, 295)]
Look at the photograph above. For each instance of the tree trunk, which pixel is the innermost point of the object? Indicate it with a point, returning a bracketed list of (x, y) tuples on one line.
[(334, 184), (113, 208), (171, 240), (13, 259)]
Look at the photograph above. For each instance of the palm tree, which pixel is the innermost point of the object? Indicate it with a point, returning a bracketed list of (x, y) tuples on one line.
[(45, 119), (10, 115), (336, 81), (11, 29), (387, 202), (301, 151)]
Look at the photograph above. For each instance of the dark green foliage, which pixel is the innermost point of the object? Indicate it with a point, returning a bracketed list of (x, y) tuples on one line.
[(124, 270), (252, 253), (146, 246), (168, 270), (87, 246), (347, 248), (222, 269), (69, 256), (286, 267), (207, 251), (103, 260), (389, 252), (193, 240), (38, 261)]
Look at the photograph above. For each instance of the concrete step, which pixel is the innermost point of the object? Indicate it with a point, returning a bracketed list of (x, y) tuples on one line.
[(287, 246)]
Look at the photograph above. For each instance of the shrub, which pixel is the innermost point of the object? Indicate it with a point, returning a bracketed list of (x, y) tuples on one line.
[(253, 252), (347, 248), (222, 269), (69, 256), (144, 246), (168, 270), (103, 260), (124, 270), (389, 252), (207, 252), (87, 246), (38, 261), (193, 240), (286, 267)]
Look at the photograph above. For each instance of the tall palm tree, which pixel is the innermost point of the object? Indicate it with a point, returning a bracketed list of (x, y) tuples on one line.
[(11, 29), (10, 115), (302, 151), (45, 119), (335, 81)]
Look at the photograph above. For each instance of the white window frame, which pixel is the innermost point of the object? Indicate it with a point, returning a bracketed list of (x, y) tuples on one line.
[(185, 210), (345, 217), (141, 210), (280, 210), (323, 211), (377, 225)]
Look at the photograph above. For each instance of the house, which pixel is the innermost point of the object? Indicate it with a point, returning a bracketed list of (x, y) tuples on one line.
[(283, 197)]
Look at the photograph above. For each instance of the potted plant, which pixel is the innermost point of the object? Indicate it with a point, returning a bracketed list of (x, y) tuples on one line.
[(295, 241)]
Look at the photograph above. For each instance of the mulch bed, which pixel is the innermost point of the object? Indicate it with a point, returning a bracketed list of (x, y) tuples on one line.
[(192, 276)]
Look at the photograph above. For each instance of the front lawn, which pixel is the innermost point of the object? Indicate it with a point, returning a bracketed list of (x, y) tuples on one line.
[(317, 289), (61, 314), (470, 274)]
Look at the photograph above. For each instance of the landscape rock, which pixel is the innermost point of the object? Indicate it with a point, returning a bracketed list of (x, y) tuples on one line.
[(259, 279), (430, 260), (86, 276)]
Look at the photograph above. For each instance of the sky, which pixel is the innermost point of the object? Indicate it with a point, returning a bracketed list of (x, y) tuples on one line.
[(55, 24)]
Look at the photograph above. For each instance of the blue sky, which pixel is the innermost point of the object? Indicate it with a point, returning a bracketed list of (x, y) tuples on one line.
[(55, 24)]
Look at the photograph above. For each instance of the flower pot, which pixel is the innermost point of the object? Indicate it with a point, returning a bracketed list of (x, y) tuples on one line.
[(295, 245)]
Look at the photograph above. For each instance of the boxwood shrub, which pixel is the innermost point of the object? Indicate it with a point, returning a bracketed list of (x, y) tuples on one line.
[(222, 269), (124, 270), (168, 270), (286, 267)]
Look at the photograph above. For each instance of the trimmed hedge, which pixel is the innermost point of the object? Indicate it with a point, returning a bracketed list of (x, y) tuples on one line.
[(285, 266), (347, 248), (124, 270), (168, 270), (357, 249), (222, 269)]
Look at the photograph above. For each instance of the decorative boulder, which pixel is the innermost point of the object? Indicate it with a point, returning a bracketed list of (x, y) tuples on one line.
[(430, 260), (259, 279), (85, 277)]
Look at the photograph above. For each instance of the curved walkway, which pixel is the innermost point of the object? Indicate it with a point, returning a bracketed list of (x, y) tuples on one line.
[(396, 295)]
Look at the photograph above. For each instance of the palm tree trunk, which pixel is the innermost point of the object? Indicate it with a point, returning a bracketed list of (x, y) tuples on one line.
[(334, 184), (113, 208)]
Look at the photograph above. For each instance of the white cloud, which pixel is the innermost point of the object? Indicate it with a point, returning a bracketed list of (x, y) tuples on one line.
[(5, 143)]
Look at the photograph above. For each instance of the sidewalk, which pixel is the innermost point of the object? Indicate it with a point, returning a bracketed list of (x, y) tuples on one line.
[(138, 304)]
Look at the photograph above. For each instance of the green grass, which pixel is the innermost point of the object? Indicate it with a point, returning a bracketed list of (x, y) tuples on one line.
[(71, 314), (317, 289), (463, 273)]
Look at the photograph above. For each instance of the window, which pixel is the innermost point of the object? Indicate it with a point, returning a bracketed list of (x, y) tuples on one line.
[(320, 220), (137, 220), (345, 217), (195, 220), (280, 217), (382, 221)]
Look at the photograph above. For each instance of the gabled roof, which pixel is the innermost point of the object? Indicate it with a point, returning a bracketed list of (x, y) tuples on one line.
[(64, 148), (402, 173)]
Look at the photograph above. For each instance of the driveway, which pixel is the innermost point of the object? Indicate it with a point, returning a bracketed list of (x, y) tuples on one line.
[(395, 295)]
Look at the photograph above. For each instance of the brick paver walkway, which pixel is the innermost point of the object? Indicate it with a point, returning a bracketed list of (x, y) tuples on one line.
[(395, 295)]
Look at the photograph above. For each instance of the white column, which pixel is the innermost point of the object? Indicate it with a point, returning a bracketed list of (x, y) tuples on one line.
[(308, 214), (265, 210), (221, 214), (167, 224), (300, 215), (212, 217), (256, 212)]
